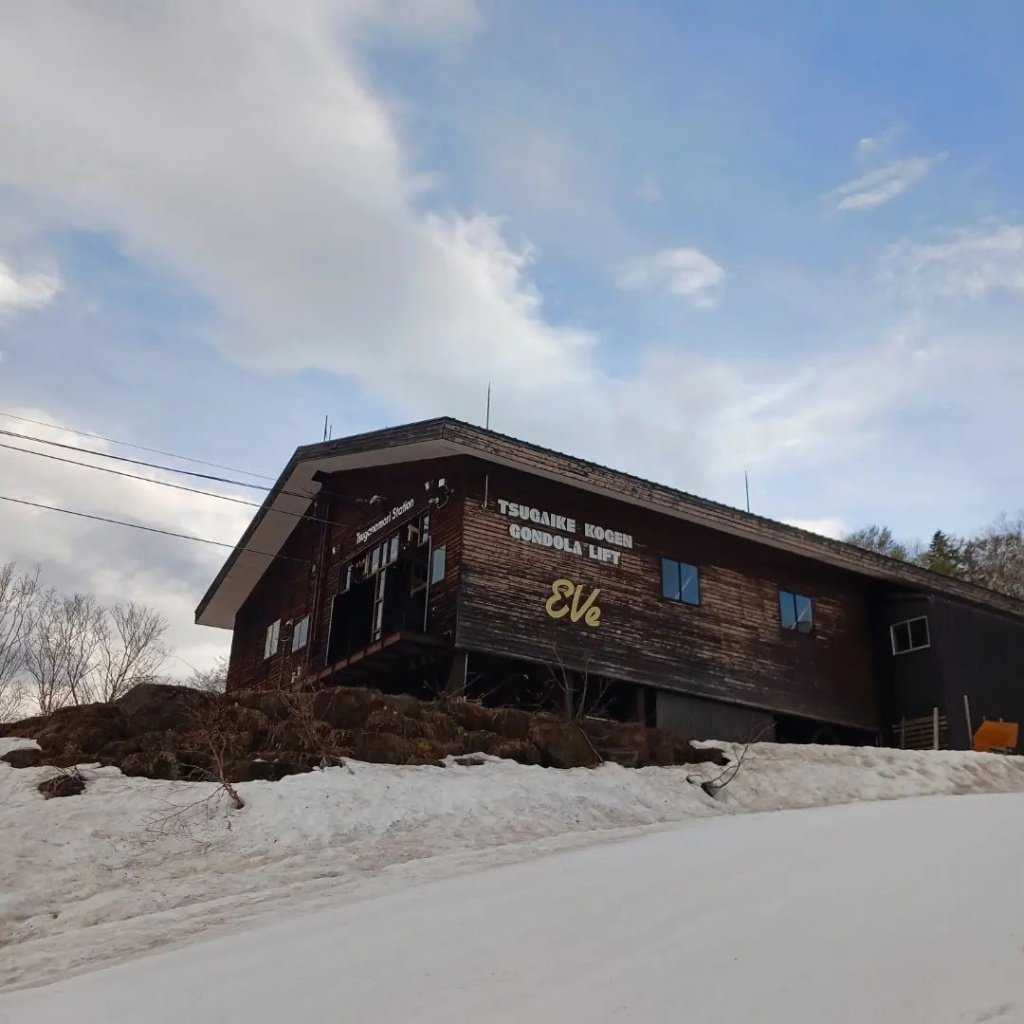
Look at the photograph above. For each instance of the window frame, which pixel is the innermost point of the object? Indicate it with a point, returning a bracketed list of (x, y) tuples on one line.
[(300, 633), (796, 598), (273, 630), (681, 590), (438, 554), (909, 624)]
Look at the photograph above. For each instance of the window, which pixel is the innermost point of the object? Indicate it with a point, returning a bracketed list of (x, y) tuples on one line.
[(911, 635), (680, 581), (438, 564), (300, 634), (796, 612), (272, 637)]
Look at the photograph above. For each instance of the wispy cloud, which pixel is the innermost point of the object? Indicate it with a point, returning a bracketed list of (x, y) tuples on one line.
[(688, 273), (874, 144), (966, 264), (882, 184), (25, 291)]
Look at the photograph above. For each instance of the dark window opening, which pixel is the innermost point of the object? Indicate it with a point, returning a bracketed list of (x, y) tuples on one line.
[(680, 581), (910, 635), (796, 612)]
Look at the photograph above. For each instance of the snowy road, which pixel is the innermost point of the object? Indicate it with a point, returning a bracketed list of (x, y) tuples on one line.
[(900, 911)]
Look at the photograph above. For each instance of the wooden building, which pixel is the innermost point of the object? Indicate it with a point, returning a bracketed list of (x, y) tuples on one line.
[(441, 555)]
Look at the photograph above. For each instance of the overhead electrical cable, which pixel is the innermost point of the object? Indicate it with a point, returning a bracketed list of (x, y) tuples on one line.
[(142, 526), (162, 483), (130, 444), (184, 472)]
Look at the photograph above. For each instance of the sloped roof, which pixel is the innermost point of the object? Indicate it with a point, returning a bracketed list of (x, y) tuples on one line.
[(436, 438)]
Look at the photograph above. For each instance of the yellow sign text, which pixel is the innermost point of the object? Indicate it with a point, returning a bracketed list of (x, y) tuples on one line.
[(567, 599)]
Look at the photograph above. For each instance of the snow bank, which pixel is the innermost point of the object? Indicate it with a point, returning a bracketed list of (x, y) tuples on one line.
[(893, 913), (134, 864)]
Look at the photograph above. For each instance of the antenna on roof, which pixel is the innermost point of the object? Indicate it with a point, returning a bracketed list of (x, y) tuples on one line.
[(487, 422), (746, 484), (325, 426)]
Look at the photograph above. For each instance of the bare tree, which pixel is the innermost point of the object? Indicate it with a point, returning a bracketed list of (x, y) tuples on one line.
[(577, 692), (995, 558), (210, 680), (62, 649), (18, 594), (211, 721), (129, 650)]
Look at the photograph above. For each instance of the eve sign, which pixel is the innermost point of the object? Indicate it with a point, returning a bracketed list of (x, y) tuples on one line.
[(567, 600)]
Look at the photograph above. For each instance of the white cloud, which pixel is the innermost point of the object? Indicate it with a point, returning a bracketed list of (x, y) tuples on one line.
[(114, 562), (969, 263), (827, 526), (693, 276), (882, 184), (245, 152), (289, 201), (874, 144), (25, 291)]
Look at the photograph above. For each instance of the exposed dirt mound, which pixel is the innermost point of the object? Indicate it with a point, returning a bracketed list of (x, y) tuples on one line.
[(172, 732)]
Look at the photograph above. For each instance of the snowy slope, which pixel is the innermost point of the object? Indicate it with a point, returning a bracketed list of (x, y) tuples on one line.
[(898, 912), (136, 865)]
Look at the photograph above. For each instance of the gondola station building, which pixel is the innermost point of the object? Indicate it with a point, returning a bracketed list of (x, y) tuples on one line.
[(442, 556)]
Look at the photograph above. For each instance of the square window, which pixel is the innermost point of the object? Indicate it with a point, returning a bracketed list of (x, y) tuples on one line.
[(910, 635), (680, 581), (796, 612)]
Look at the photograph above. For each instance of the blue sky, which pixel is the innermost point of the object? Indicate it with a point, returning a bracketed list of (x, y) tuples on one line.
[(681, 239)]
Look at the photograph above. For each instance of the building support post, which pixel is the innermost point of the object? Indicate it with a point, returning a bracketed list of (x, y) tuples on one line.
[(458, 674)]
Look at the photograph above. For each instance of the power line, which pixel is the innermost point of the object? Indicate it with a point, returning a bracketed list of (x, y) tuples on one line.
[(163, 483), (141, 526), (138, 447), (133, 462), (188, 472)]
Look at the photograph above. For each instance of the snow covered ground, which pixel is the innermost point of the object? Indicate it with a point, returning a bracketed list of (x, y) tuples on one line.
[(512, 893)]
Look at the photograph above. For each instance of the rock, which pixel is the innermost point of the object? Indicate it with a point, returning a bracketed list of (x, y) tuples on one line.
[(64, 783), (625, 756), (706, 755), (250, 771), (67, 759), (425, 751), (346, 707), (470, 760), (158, 707), (473, 717), (86, 727), (480, 741), (27, 757), (386, 719), (442, 727), (661, 748), (562, 744), (153, 764), (522, 751), (403, 704), (381, 748), (512, 723)]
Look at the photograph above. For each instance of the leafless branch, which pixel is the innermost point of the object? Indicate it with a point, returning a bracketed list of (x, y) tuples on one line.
[(17, 616)]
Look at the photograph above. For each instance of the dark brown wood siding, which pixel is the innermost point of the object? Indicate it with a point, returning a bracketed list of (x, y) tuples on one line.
[(730, 648), (316, 553)]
